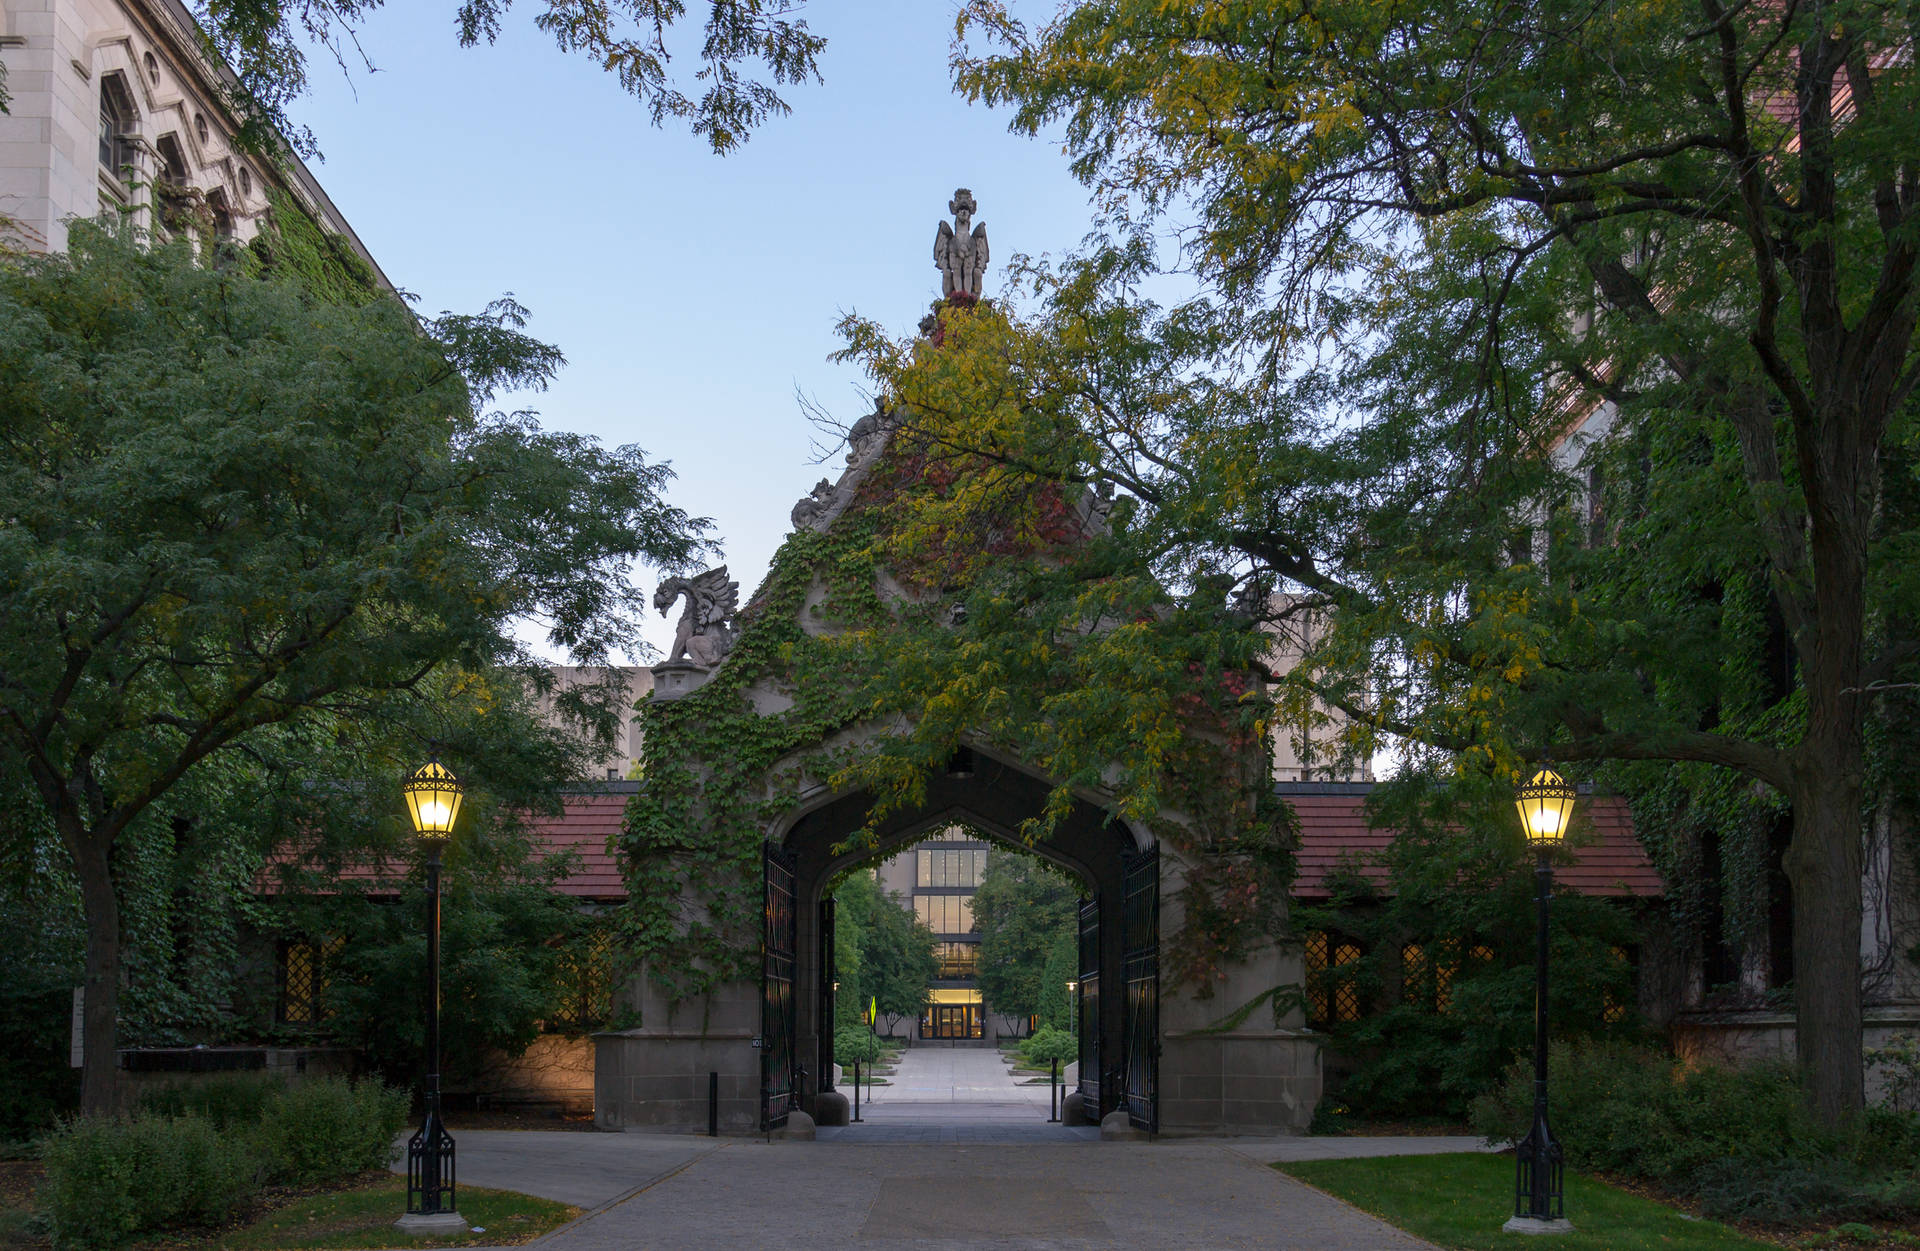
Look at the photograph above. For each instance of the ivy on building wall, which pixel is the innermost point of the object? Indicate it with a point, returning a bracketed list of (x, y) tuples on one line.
[(293, 245), (957, 602)]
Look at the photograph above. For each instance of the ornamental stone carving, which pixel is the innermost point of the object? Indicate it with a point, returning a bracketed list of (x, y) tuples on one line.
[(960, 249), (813, 505), (705, 633)]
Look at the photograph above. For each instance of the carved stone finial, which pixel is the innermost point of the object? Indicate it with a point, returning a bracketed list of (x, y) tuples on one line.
[(812, 505), (704, 635), (960, 249)]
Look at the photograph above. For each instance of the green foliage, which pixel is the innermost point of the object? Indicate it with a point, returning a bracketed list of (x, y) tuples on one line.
[(855, 1043), (1431, 243), (227, 1101), (329, 1128), (40, 964), (1742, 1140), (1442, 1023), (110, 1181), (895, 951), (507, 948), (747, 49), (293, 247), (1047, 1045), (250, 526), (1024, 912)]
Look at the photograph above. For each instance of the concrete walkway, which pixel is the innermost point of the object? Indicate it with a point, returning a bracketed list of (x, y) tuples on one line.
[(954, 1095), (672, 1192)]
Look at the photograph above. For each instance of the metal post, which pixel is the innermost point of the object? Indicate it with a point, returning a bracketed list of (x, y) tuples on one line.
[(713, 1105), (1538, 1194), (856, 1090), (430, 1161), (1053, 1092)]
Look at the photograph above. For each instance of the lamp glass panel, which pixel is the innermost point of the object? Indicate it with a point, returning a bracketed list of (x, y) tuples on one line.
[(1546, 807), (433, 800)]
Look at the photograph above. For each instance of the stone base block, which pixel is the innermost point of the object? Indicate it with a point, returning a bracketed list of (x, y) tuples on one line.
[(830, 1107), (431, 1224), (799, 1127), (1532, 1225), (1115, 1127), (1245, 1082), (1073, 1109), (644, 1080)]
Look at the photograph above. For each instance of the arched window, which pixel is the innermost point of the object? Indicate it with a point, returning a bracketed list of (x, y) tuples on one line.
[(152, 67), (119, 124), (172, 193), (222, 215)]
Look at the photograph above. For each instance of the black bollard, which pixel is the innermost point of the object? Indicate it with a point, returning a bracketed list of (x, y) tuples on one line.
[(713, 1105), (856, 1090), (1053, 1092)]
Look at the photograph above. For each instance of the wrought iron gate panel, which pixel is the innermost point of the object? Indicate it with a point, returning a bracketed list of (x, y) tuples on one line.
[(777, 942), (1140, 959), (1087, 1007), (829, 976)]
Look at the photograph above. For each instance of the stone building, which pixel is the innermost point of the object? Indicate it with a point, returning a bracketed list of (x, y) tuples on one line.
[(116, 111)]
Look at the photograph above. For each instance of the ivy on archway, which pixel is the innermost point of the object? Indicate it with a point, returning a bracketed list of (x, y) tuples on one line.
[(960, 600)]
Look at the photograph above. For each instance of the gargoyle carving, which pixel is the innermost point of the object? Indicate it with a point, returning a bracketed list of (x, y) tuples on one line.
[(703, 636), (960, 249), (813, 505)]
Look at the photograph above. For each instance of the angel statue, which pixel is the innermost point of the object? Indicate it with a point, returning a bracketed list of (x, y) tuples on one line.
[(961, 257), (703, 635)]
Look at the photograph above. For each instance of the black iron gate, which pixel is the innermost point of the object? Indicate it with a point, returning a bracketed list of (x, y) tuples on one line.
[(1140, 959), (1087, 1006), (777, 942), (829, 987)]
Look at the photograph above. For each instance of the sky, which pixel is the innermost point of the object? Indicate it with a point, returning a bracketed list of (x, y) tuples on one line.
[(695, 296)]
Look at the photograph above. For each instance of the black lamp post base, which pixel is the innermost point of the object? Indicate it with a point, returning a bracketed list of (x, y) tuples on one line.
[(1534, 1225), (436, 1223)]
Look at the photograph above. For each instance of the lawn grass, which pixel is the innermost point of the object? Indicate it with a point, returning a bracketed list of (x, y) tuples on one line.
[(363, 1216), (1461, 1201)]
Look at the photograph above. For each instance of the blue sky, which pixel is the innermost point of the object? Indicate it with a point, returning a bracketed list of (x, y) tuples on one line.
[(693, 294)]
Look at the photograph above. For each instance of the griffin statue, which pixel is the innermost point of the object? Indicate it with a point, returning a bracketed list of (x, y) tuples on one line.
[(703, 636)]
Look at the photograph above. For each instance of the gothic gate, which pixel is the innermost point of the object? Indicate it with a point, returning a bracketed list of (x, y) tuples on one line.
[(1140, 965), (777, 1021), (1087, 1007)]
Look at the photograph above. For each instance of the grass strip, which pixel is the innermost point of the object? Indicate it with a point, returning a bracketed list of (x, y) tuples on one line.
[(363, 1217), (1460, 1201)]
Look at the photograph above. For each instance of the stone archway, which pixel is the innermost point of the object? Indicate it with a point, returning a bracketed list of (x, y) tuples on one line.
[(755, 745), (1092, 845)]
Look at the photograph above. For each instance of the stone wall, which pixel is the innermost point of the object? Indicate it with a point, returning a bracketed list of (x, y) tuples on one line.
[(1768, 1037)]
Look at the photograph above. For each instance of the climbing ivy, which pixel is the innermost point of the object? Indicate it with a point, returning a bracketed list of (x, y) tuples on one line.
[(1066, 654), (293, 245)]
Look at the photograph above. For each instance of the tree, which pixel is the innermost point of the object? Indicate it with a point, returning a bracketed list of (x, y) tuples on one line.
[(1431, 239), (265, 41), (896, 961), (1024, 911), (237, 517)]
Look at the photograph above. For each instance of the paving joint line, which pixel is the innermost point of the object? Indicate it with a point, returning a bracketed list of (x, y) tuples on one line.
[(635, 1192)]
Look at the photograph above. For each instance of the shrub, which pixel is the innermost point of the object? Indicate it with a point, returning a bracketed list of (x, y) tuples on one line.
[(330, 1128), (854, 1044), (228, 1100), (109, 1180), (1741, 1140), (1049, 1044)]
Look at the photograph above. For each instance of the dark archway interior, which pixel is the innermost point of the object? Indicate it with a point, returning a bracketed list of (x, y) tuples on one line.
[(1091, 843)]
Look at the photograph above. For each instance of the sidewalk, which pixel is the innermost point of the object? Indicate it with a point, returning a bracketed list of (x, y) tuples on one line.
[(672, 1191)]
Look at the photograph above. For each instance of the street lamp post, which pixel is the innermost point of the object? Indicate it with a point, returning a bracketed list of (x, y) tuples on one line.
[(1539, 1206), (1073, 1004), (433, 801)]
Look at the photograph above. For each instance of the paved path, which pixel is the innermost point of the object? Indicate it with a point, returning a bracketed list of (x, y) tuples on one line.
[(672, 1192), (954, 1095)]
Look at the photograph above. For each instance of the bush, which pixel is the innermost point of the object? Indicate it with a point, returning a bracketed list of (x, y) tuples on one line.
[(227, 1100), (854, 1044), (110, 1180), (1041, 1049), (1740, 1140), (330, 1128)]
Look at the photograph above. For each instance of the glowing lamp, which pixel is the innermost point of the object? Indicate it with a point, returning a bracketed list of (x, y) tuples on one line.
[(1546, 808), (433, 800)]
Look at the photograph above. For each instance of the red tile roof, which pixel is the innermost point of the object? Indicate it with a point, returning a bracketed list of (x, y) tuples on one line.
[(1334, 830), (587, 821)]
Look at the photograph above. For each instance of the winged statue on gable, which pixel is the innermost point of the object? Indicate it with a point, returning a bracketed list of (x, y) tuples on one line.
[(960, 256), (703, 635)]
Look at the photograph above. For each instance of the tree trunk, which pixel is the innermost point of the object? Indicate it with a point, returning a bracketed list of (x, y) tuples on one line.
[(99, 1079)]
